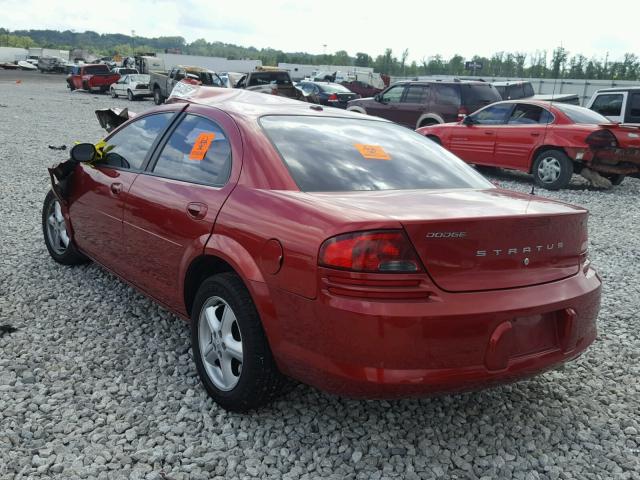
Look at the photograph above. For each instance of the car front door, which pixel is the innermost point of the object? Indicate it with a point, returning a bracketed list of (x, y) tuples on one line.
[(387, 103), (121, 85), (100, 192), (413, 105), (474, 142), (172, 206), (523, 133)]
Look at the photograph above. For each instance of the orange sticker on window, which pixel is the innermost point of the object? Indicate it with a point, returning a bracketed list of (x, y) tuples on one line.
[(372, 152), (201, 146)]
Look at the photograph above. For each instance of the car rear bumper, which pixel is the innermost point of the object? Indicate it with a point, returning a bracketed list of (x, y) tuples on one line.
[(451, 342)]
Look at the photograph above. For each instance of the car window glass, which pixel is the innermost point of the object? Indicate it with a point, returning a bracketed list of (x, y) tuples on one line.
[(198, 151), (633, 114), (528, 90), (446, 94), (493, 115), (347, 154), (131, 144), (416, 94), (515, 91), (609, 105), (581, 115), (393, 95), (524, 114)]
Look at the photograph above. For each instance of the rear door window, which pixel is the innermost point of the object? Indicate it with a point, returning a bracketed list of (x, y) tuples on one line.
[(131, 144), (525, 114), (416, 94), (609, 105), (633, 108), (345, 154), (198, 151), (446, 94), (493, 115)]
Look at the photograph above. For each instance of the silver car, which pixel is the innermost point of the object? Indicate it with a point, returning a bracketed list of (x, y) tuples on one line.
[(134, 86)]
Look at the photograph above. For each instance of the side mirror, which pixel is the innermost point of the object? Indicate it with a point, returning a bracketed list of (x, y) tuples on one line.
[(377, 97), (83, 152), (468, 121)]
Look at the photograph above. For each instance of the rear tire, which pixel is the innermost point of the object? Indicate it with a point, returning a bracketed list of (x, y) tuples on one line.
[(56, 236), (552, 169), (434, 139), (230, 349), (616, 179)]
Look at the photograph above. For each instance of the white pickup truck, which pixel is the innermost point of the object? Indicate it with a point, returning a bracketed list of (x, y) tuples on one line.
[(620, 105)]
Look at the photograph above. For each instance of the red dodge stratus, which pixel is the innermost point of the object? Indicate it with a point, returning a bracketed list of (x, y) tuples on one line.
[(341, 250), (550, 140)]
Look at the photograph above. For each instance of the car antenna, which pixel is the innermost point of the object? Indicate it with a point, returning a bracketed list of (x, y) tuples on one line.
[(546, 125)]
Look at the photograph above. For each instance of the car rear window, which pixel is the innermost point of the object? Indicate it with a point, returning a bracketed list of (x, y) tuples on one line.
[(334, 88), (479, 94), (581, 114), (329, 154), (96, 69), (266, 78)]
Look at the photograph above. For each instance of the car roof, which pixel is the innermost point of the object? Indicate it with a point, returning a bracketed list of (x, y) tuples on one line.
[(506, 84), (618, 89), (441, 82), (240, 103)]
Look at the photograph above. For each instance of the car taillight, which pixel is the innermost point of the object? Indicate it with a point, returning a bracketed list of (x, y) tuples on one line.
[(379, 251), (462, 112), (602, 139), (333, 97)]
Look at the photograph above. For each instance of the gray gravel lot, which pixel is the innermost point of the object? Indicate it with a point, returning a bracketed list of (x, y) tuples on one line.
[(98, 381)]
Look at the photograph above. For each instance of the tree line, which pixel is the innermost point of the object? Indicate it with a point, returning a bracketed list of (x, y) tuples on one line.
[(558, 64)]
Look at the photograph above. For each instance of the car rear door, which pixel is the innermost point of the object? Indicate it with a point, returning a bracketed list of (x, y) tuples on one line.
[(101, 191), (173, 205), (413, 105), (522, 134), (475, 142)]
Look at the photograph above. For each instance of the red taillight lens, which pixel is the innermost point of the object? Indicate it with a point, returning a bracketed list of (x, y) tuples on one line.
[(375, 251), (333, 97), (602, 139), (462, 112)]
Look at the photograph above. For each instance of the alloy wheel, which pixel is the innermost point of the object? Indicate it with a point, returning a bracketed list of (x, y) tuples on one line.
[(57, 229), (220, 343), (549, 169)]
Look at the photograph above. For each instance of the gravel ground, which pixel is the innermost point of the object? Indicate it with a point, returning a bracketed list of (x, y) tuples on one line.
[(98, 381)]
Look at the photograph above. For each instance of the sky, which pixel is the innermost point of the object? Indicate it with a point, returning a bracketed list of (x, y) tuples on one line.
[(426, 28)]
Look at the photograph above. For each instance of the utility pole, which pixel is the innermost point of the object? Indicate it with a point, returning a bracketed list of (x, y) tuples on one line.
[(133, 42)]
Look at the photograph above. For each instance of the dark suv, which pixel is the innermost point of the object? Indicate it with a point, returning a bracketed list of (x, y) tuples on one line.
[(421, 103)]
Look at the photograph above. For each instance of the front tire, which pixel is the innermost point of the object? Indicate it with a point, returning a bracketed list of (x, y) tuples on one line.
[(113, 93), (157, 96), (552, 169), (56, 236), (230, 349), (130, 96)]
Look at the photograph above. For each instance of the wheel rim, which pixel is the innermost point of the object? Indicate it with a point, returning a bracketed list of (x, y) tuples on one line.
[(220, 343), (549, 169), (57, 229)]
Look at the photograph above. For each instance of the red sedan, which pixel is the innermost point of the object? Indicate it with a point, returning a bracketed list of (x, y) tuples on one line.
[(551, 141), (344, 251)]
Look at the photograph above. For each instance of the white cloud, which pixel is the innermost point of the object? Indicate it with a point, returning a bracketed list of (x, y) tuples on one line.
[(466, 27)]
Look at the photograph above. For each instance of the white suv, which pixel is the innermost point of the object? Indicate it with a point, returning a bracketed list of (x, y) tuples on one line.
[(621, 105)]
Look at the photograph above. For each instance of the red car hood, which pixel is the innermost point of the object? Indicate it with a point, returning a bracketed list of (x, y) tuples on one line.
[(473, 240)]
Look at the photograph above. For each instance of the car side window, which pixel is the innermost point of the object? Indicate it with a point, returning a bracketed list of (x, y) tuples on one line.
[(609, 105), (447, 95), (524, 114), (131, 144), (416, 94), (198, 151), (393, 95), (493, 115), (633, 109)]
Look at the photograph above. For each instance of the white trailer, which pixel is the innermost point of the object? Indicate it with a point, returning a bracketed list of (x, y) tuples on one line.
[(217, 64), (12, 54)]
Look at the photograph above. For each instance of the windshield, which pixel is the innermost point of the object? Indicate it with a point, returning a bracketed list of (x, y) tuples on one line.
[(328, 154), (581, 114)]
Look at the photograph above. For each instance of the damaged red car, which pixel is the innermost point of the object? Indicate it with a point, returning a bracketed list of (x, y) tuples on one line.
[(343, 251), (552, 141)]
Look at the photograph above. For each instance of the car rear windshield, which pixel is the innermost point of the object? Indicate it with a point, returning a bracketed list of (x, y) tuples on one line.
[(330, 154), (97, 69), (265, 78), (581, 114), (334, 88)]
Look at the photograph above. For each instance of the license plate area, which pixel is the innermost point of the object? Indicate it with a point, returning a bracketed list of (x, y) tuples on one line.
[(535, 334)]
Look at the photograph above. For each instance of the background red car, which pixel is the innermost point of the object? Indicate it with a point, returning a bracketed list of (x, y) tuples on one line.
[(344, 251), (551, 141), (91, 77)]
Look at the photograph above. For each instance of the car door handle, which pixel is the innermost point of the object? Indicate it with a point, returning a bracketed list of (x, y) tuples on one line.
[(488, 133), (116, 188), (197, 210), (535, 134)]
